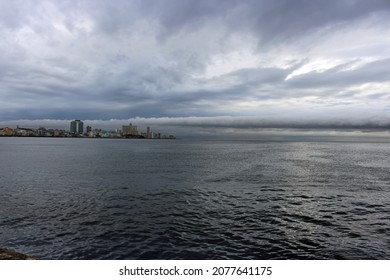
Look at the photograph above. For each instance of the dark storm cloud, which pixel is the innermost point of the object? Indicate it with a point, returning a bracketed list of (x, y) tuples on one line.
[(270, 20), (121, 59), (249, 123)]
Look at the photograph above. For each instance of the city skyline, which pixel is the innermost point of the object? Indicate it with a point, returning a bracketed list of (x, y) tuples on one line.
[(76, 129), (198, 68)]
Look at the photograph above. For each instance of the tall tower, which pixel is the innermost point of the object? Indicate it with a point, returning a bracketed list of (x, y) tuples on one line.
[(148, 134), (76, 126)]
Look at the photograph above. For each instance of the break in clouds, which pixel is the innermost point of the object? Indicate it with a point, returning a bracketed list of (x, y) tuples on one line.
[(201, 64)]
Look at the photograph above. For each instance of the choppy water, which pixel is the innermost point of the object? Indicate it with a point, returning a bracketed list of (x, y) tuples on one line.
[(139, 199)]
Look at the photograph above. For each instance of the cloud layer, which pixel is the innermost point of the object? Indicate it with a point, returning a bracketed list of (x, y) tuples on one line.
[(324, 62)]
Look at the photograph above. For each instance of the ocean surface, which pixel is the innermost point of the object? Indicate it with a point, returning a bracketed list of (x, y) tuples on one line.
[(154, 199)]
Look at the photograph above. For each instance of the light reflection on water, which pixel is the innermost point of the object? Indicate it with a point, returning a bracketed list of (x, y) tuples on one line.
[(134, 199)]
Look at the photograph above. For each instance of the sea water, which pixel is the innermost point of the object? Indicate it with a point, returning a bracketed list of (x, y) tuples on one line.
[(175, 199)]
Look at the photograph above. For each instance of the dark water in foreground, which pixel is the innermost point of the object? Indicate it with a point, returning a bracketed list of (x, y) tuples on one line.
[(139, 199)]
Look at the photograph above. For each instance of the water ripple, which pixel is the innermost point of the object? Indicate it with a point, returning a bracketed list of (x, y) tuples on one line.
[(211, 201)]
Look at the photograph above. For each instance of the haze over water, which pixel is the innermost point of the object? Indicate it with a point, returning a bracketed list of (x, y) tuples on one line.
[(132, 199)]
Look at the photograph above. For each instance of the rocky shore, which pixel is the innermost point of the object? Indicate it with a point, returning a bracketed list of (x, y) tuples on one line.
[(6, 254)]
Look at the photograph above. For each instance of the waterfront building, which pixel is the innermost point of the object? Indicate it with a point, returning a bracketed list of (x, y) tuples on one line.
[(77, 126), (129, 130), (6, 131), (148, 134)]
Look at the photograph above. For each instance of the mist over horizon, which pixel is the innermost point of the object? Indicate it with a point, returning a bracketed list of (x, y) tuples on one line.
[(228, 127)]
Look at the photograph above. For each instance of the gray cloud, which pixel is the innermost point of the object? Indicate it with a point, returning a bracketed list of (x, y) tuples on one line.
[(374, 72), (270, 20), (181, 59)]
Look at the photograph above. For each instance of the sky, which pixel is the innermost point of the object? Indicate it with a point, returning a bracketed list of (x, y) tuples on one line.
[(197, 66)]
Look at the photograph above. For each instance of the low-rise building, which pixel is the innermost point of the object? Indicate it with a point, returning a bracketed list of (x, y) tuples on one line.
[(6, 131)]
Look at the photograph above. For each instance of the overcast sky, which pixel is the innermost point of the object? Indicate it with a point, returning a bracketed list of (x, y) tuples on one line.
[(253, 64)]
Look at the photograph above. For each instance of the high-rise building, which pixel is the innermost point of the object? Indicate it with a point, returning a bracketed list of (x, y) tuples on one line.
[(77, 126), (148, 134), (129, 130)]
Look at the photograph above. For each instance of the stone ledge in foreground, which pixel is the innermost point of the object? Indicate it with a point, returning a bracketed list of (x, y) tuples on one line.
[(6, 254)]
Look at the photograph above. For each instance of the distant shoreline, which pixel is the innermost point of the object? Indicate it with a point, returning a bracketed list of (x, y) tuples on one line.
[(84, 137)]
